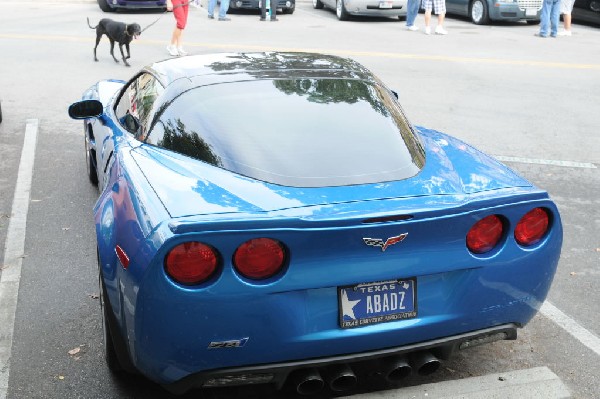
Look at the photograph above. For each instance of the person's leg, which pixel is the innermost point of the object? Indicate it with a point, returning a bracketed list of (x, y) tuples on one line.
[(274, 10), (567, 21), (545, 18), (223, 8), (211, 8), (411, 12), (263, 10), (554, 18)]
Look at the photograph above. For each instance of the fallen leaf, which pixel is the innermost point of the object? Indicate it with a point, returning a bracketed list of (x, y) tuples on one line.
[(573, 273), (94, 296), (74, 351), (61, 377)]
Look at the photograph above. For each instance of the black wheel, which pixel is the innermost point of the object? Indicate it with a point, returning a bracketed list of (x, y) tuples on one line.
[(103, 4), (90, 162), (479, 12), (115, 350), (318, 4), (110, 354), (340, 10), (289, 10)]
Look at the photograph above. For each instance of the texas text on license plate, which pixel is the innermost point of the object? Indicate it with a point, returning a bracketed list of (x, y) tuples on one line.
[(379, 302)]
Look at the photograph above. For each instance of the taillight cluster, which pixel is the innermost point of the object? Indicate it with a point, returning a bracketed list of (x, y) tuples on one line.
[(489, 231), (193, 263)]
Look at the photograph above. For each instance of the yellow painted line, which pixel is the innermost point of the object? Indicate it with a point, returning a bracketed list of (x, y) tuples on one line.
[(419, 57)]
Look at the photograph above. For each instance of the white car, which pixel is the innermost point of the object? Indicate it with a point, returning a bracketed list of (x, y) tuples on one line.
[(368, 8)]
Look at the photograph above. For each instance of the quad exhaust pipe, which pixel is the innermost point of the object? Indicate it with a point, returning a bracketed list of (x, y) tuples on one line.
[(340, 377)]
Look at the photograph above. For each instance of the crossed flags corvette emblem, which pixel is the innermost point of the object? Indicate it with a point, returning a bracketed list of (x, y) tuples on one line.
[(378, 242)]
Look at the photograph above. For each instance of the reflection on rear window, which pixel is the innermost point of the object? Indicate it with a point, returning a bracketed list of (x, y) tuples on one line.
[(301, 132)]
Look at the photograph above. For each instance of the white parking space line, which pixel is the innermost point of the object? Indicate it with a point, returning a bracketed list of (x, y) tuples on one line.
[(569, 164), (535, 383), (14, 251), (571, 326)]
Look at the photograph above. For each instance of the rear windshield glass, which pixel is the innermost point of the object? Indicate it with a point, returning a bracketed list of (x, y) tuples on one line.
[(301, 132)]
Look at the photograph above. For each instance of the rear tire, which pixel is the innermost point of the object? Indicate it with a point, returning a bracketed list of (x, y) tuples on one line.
[(103, 4), (115, 349), (110, 354)]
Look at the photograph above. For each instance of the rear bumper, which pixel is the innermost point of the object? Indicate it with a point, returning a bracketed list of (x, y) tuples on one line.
[(279, 374)]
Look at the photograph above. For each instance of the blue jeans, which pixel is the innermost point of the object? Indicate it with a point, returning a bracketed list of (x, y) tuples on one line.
[(222, 8), (412, 9), (550, 17)]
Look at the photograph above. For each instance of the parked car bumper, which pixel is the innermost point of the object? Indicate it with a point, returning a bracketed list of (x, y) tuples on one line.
[(134, 5), (510, 11), (373, 8), (255, 4)]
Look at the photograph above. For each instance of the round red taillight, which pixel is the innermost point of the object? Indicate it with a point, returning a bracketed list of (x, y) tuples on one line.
[(259, 258), (532, 227), (191, 263), (485, 234)]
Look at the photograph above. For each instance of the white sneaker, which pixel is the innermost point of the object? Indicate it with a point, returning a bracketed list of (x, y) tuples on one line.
[(172, 50), (195, 3), (181, 51), (413, 28), (428, 30), (440, 30), (564, 33)]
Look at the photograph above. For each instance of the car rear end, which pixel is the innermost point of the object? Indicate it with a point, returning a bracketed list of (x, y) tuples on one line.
[(230, 302)]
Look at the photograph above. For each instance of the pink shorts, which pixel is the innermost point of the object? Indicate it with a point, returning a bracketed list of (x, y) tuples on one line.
[(180, 12)]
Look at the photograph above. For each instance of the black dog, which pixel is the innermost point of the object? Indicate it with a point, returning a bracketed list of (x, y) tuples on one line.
[(116, 32)]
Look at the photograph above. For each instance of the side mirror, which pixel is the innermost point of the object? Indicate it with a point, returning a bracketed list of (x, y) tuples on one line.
[(86, 109)]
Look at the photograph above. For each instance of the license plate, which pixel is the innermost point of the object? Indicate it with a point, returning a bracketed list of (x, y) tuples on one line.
[(530, 12), (371, 303), (385, 4)]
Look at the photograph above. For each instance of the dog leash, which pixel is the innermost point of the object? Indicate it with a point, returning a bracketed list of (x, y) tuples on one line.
[(166, 11)]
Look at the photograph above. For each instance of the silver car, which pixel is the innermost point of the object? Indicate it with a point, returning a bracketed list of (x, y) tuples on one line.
[(368, 8)]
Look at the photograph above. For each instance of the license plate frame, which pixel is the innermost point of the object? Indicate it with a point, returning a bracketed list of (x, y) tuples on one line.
[(378, 302), (531, 12)]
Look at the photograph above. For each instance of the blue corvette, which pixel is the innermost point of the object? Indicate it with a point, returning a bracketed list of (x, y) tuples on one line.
[(274, 218)]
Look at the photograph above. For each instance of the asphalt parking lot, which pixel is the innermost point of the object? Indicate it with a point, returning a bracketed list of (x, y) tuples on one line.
[(531, 102)]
